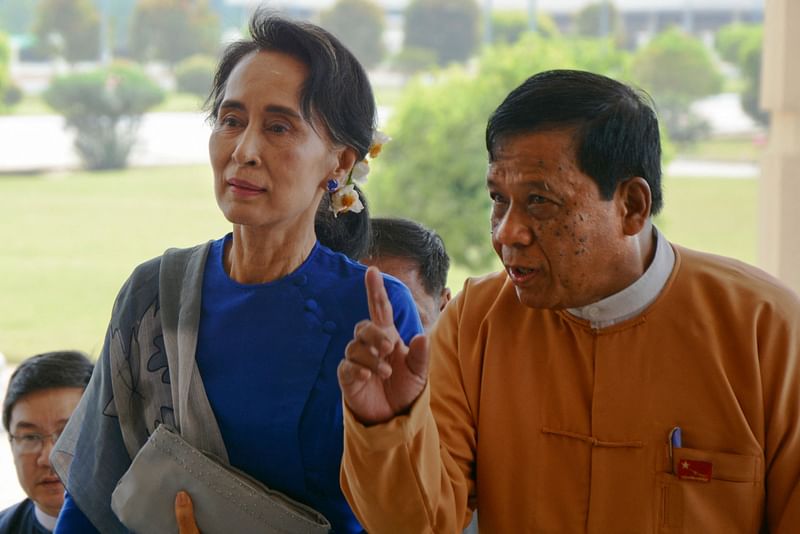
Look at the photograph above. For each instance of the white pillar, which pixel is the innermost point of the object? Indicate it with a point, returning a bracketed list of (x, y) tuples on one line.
[(779, 195)]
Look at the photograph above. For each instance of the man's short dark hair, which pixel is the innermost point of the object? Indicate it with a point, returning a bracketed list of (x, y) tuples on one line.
[(59, 369), (407, 239), (616, 129)]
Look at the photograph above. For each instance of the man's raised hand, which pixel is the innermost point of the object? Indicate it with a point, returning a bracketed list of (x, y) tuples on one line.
[(380, 376)]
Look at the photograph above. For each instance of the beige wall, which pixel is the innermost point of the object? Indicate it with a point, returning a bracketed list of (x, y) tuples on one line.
[(779, 192)]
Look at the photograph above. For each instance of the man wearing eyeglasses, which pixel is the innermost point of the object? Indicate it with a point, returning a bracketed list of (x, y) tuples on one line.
[(42, 394)]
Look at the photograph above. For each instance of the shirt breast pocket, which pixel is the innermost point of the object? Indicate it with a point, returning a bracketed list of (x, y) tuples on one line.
[(710, 491)]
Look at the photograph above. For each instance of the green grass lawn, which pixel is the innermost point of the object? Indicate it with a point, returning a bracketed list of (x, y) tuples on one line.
[(31, 105), (387, 96), (725, 149), (711, 214), (70, 240)]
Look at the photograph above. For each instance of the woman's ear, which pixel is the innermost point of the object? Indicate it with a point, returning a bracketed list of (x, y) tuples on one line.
[(635, 201), (346, 158)]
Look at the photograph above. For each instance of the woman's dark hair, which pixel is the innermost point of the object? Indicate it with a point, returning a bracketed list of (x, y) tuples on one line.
[(60, 369), (336, 93), (616, 129), (348, 233)]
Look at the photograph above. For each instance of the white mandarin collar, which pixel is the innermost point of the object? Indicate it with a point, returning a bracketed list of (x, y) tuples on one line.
[(636, 297)]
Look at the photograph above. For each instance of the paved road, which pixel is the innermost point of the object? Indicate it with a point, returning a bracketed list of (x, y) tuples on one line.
[(689, 168), (724, 114), (39, 142)]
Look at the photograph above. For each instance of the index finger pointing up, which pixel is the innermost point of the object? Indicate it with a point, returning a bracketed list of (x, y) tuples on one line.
[(380, 309)]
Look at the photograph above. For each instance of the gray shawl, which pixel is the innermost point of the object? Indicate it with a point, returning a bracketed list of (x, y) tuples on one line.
[(146, 375)]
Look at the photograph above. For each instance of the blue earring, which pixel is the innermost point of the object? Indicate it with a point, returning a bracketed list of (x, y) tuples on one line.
[(333, 185)]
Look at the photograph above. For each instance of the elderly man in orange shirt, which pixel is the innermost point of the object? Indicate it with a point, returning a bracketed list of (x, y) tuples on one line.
[(608, 381)]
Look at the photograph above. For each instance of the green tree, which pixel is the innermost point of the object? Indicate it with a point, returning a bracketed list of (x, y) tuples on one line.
[(195, 74), (10, 93), (731, 40), (69, 29), (172, 30), (741, 45), (5, 76), (359, 24), (600, 19), (677, 69), (434, 169), (13, 96), (119, 16), (411, 60), (17, 15), (509, 26), (104, 107), (751, 72), (448, 27)]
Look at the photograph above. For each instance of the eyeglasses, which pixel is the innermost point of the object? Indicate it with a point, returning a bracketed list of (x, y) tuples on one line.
[(32, 443)]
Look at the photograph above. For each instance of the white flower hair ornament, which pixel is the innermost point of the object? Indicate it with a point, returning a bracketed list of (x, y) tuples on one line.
[(344, 197)]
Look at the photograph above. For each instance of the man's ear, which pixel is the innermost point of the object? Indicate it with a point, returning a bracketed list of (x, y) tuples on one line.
[(444, 298), (634, 201)]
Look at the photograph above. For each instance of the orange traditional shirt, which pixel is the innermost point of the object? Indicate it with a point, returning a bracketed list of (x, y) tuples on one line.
[(548, 424)]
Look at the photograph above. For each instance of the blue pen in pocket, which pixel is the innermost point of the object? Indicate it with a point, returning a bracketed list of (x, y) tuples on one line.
[(675, 442)]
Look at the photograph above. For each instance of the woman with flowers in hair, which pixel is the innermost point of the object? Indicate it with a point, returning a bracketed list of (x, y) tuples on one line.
[(235, 343)]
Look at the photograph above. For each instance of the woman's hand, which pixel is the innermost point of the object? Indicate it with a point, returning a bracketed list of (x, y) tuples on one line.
[(184, 514), (380, 376)]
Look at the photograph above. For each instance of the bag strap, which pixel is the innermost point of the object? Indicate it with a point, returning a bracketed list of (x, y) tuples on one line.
[(180, 291)]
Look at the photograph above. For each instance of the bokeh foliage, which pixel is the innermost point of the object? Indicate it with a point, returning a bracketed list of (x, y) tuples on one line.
[(677, 69), (741, 44), (69, 29), (172, 30), (509, 26), (359, 24), (434, 169), (600, 19), (104, 108), (5, 77), (195, 74), (447, 27)]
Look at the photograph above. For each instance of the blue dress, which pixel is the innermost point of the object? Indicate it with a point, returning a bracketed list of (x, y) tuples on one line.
[(267, 355)]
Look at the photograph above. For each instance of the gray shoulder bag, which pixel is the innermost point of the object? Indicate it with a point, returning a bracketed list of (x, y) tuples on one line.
[(225, 500)]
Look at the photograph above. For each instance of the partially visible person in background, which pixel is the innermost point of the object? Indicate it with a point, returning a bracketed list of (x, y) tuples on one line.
[(42, 394), (417, 257)]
